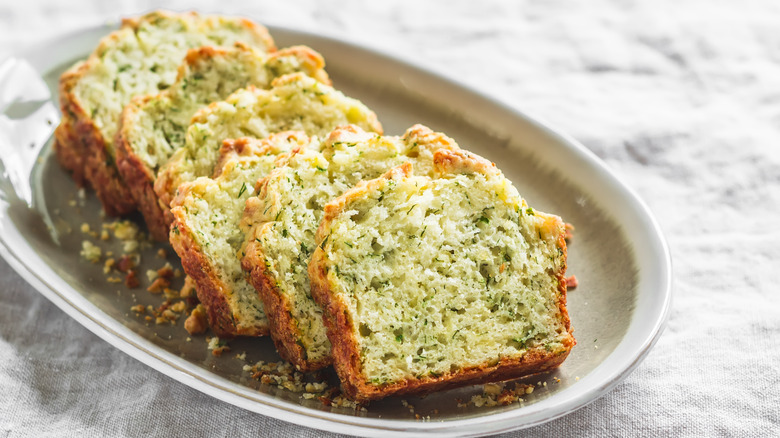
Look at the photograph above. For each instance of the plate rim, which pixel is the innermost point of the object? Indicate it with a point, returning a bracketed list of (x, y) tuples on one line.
[(218, 387)]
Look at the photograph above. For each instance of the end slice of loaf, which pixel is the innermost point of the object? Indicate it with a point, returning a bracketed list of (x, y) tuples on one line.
[(153, 127), (294, 102), (206, 235), (281, 222), (138, 59), (430, 283)]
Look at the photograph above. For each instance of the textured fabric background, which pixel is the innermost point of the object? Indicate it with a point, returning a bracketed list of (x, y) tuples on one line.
[(681, 99)]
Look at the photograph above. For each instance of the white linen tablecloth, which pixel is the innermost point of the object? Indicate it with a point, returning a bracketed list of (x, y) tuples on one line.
[(681, 99)]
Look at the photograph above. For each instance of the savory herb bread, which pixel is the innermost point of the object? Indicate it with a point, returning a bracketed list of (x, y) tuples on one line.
[(281, 222), (138, 59), (206, 235), (153, 127), (433, 282), (294, 102)]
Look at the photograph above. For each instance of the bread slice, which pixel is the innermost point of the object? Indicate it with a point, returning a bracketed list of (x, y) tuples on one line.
[(206, 235), (430, 283), (281, 222), (294, 102), (153, 127), (138, 59)]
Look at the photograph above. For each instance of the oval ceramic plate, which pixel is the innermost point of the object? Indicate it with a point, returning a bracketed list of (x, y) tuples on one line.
[(618, 252)]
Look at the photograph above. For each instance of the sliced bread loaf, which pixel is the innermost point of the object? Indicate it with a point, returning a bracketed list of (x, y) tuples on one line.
[(294, 102), (138, 59), (429, 283), (281, 222), (206, 235), (153, 127)]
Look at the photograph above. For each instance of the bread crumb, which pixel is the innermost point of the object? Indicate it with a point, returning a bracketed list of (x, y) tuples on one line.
[(108, 265), (493, 388), (90, 252), (170, 293), (104, 235), (166, 271), (85, 228), (196, 323), (241, 356), (138, 308), (283, 375), (217, 346), (131, 280), (158, 285), (498, 394), (571, 282), (125, 264), (179, 306), (161, 253), (151, 274), (129, 246), (568, 232), (114, 280), (124, 230)]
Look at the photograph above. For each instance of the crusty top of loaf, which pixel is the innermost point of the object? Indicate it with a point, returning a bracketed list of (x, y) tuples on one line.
[(282, 220), (295, 102), (154, 126), (142, 57), (444, 273), (211, 208)]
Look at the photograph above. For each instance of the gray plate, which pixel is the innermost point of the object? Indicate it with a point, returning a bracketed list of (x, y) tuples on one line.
[(618, 253)]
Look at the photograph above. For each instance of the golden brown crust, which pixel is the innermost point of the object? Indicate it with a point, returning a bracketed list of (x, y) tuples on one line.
[(165, 185), (68, 145), (209, 286), (341, 329), (102, 173), (313, 61), (283, 327), (448, 162), (138, 177)]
